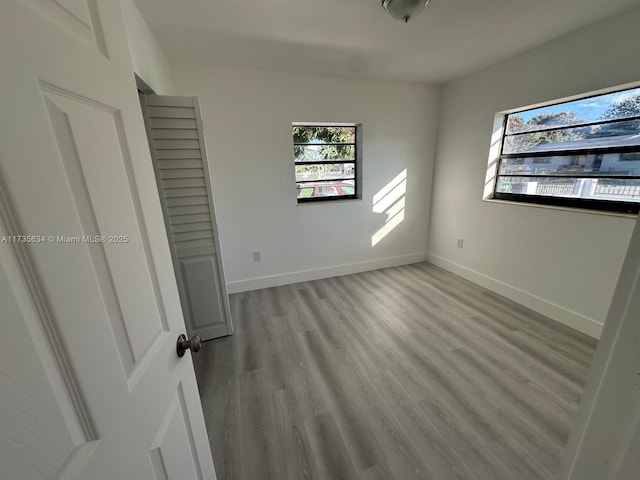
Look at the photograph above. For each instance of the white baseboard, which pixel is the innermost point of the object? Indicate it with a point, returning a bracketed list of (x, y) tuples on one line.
[(552, 310), (324, 272)]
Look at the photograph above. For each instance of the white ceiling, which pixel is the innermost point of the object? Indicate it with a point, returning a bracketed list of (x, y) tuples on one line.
[(356, 38)]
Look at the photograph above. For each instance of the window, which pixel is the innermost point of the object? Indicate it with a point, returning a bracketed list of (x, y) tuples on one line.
[(327, 162), (630, 157), (584, 153)]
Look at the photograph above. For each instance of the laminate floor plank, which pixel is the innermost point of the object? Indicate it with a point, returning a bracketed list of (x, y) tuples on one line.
[(377, 472), (402, 373), (292, 434), (223, 409), (329, 449)]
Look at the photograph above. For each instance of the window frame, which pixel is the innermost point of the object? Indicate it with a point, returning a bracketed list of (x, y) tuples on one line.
[(612, 206), (356, 161)]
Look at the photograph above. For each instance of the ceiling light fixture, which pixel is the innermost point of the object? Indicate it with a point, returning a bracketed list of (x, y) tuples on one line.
[(404, 9)]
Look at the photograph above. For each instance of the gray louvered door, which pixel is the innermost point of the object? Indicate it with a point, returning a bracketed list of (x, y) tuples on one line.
[(176, 141)]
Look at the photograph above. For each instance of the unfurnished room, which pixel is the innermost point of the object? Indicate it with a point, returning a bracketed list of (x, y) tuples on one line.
[(283, 240)]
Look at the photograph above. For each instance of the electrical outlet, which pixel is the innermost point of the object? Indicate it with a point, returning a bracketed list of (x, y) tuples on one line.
[(257, 256), (459, 243)]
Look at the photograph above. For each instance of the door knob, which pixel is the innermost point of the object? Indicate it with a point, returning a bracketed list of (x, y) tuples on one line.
[(193, 344)]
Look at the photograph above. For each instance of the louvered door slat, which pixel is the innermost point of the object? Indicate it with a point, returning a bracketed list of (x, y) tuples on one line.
[(191, 227), (182, 237), (187, 210), (184, 201), (181, 163), (175, 143), (180, 219), (170, 183), (168, 100), (170, 112), (184, 192), (174, 134), (174, 154), (173, 123), (182, 173)]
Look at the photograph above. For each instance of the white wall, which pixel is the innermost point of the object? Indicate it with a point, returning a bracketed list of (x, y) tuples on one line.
[(149, 61), (562, 263), (247, 119)]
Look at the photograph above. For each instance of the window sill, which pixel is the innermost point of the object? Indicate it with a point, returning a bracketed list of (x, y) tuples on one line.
[(566, 209), (328, 201)]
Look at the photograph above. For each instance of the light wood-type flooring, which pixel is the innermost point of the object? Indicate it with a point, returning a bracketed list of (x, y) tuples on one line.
[(402, 373)]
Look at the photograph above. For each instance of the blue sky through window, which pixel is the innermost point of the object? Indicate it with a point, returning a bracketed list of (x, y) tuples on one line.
[(588, 109)]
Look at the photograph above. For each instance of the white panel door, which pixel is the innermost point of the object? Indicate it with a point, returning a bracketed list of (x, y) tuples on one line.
[(176, 139), (90, 383)]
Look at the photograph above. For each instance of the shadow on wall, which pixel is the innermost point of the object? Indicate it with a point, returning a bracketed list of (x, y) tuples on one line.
[(390, 200)]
